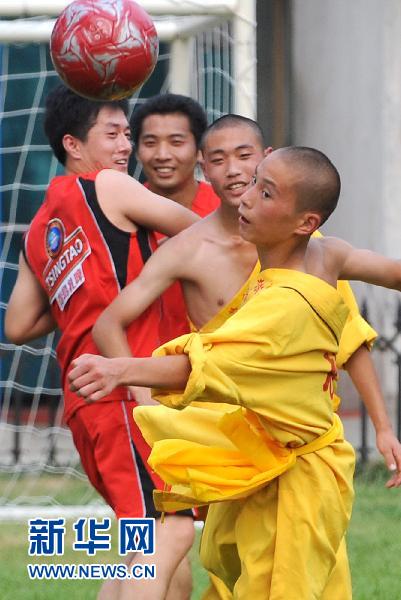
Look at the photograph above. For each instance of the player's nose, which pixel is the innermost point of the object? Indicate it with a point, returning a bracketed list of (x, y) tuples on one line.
[(124, 143), (233, 168), (162, 151), (246, 198)]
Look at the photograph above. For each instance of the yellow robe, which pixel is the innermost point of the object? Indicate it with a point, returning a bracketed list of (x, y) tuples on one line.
[(355, 333), (275, 360), (356, 330)]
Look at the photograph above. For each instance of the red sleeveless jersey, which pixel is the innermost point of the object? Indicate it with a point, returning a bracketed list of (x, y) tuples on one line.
[(206, 200), (82, 261)]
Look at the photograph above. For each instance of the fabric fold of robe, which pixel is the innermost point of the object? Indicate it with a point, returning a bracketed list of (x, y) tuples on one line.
[(203, 474), (273, 362)]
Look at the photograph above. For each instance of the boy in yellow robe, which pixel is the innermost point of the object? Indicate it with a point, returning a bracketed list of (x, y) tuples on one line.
[(275, 359), (231, 149)]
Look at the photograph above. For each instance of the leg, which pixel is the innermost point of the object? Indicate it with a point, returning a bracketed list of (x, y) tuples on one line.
[(180, 587), (114, 456), (174, 538)]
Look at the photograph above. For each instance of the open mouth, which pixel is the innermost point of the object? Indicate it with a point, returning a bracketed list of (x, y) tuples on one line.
[(237, 186), (243, 220), (163, 171), (122, 163)]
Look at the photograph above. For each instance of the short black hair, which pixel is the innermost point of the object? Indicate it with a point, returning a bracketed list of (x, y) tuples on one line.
[(165, 104), (233, 120), (68, 113), (319, 184)]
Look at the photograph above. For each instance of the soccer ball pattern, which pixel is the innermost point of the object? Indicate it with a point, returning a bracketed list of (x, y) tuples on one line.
[(104, 49)]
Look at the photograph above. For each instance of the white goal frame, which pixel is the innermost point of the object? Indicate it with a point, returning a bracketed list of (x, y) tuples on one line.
[(176, 22), (183, 24)]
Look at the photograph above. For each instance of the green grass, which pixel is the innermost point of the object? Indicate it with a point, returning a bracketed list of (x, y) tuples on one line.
[(68, 489), (374, 543), (374, 539), (15, 584)]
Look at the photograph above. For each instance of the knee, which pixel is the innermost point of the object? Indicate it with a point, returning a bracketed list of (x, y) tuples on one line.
[(177, 530)]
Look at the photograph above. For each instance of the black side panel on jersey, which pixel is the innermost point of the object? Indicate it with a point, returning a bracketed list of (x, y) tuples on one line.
[(117, 240), (142, 236)]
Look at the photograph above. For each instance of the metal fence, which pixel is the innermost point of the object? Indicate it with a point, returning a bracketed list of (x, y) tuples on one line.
[(391, 347)]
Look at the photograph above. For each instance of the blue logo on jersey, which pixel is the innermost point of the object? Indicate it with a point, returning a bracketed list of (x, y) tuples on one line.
[(54, 237)]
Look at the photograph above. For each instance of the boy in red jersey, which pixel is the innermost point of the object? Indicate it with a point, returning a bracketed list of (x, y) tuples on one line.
[(167, 131), (88, 240)]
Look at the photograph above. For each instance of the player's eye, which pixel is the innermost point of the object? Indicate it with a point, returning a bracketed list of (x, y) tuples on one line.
[(253, 180)]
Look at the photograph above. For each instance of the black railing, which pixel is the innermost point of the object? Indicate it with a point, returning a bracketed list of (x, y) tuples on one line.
[(389, 345)]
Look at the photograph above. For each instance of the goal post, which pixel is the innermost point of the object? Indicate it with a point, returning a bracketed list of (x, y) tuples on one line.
[(176, 23), (208, 51)]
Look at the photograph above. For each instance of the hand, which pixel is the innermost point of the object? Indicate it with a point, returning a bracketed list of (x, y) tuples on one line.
[(390, 448), (94, 377), (141, 395)]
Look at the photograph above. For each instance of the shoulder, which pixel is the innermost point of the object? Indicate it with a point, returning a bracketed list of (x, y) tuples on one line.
[(111, 176), (116, 180), (186, 247), (188, 240)]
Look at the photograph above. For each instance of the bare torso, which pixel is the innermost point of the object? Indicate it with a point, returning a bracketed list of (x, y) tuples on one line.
[(216, 264)]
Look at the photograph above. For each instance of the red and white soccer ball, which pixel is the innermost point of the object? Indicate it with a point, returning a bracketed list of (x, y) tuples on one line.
[(104, 49)]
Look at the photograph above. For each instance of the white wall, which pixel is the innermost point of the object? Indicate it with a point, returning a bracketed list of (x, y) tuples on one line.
[(346, 97)]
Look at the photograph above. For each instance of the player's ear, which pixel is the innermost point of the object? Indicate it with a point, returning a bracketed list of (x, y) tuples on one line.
[(267, 150), (72, 146), (202, 165), (309, 222)]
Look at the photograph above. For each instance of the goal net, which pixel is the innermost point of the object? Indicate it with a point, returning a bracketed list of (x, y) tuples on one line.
[(208, 52)]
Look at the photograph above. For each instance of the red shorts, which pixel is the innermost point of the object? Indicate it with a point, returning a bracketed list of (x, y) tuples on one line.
[(114, 454)]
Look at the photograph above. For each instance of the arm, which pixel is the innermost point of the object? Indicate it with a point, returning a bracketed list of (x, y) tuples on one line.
[(364, 265), (363, 374), (95, 376), (232, 364), (121, 195), (161, 270), (109, 331), (28, 313)]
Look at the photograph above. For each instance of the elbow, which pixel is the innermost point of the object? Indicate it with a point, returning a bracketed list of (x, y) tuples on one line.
[(13, 333), (100, 331), (97, 330)]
